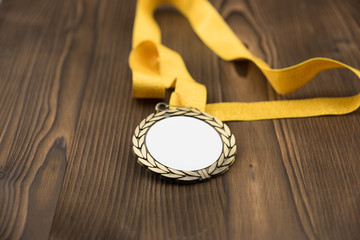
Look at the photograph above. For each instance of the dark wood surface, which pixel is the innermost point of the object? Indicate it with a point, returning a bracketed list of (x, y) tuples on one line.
[(67, 117)]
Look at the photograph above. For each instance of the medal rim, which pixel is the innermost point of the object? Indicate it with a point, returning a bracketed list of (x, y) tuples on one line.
[(220, 166)]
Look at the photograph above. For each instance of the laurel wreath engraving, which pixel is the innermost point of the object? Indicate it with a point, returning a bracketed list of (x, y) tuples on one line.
[(219, 167)]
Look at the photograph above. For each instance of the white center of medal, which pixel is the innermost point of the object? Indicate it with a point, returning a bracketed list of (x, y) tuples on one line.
[(184, 143)]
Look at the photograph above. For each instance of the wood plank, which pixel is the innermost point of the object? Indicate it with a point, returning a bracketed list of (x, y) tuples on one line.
[(39, 104), (44, 193)]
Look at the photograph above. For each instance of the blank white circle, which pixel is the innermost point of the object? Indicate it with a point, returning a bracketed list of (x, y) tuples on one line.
[(184, 143)]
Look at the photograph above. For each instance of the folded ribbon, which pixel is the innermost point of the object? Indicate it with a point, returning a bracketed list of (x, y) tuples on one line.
[(156, 68)]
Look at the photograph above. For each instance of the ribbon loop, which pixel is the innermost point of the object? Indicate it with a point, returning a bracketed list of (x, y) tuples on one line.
[(156, 67)]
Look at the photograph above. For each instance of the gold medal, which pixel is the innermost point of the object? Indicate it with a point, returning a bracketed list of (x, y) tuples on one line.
[(184, 144)]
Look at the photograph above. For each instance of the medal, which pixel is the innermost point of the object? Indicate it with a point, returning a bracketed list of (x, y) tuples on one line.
[(184, 144)]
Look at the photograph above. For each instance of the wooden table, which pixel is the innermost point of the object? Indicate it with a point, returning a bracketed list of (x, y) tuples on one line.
[(67, 116)]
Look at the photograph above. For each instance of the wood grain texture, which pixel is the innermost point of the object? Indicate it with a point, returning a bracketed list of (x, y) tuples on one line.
[(67, 117)]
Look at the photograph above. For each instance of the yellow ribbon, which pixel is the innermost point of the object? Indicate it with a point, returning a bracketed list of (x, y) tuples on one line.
[(156, 68)]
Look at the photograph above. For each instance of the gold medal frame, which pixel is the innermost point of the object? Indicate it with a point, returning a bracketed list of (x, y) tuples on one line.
[(219, 167)]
